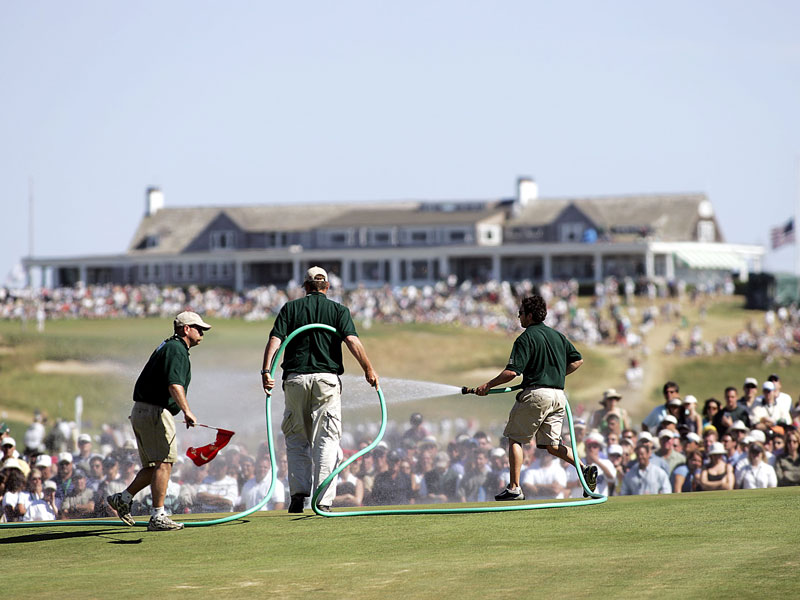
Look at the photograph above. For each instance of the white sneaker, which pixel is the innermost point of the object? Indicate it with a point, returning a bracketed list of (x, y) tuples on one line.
[(163, 523)]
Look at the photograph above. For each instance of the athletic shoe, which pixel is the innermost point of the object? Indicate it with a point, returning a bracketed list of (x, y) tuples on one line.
[(123, 508), (590, 475), (324, 508), (508, 494), (297, 503), (163, 523)]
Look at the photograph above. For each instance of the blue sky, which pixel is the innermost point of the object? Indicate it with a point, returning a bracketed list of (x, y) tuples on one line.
[(268, 102)]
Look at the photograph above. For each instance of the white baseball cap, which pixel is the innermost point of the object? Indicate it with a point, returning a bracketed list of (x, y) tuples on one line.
[(316, 274), (689, 399), (65, 457), (188, 317), (9, 441), (666, 433), (44, 460), (716, 448)]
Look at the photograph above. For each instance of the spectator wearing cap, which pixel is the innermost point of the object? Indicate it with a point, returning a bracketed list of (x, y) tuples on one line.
[(767, 412), (756, 473), (669, 422), (645, 437), (63, 478), (500, 474), (783, 399), (673, 458), (651, 422), (41, 498), (644, 477), (9, 448), (787, 466), (15, 496), (112, 483), (710, 409), (606, 470), (686, 477), (718, 474), (393, 486), (689, 418), (83, 456), (416, 430), (441, 482), (545, 479), (617, 458), (45, 464), (691, 442), (610, 403), (79, 503), (733, 410), (749, 394)]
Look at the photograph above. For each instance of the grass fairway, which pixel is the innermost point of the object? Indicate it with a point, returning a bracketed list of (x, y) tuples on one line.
[(738, 544)]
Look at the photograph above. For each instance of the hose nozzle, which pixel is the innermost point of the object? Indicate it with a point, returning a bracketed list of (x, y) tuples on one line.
[(465, 390)]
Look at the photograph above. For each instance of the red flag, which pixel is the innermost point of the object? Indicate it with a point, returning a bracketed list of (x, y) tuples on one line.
[(204, 454)]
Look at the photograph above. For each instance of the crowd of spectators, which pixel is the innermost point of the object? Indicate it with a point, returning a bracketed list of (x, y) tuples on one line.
[(612, 317), (752, 440)]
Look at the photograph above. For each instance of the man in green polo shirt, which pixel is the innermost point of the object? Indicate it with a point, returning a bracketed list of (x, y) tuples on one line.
[(160, 393), (544, 357), (312, 363)]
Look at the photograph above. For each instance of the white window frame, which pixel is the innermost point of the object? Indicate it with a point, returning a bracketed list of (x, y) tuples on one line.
[(222, 241)]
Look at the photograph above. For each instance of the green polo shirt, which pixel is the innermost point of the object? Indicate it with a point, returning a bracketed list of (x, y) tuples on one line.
[(316, 350), (541, 355), (168, 364)]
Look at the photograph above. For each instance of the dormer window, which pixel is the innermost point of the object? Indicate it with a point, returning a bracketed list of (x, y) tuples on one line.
[(223, 240)]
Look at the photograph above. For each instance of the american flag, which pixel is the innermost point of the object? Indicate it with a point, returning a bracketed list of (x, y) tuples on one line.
[(782, 234)]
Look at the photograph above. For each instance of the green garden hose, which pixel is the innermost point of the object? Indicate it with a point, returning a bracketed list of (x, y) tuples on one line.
[(593, 499)]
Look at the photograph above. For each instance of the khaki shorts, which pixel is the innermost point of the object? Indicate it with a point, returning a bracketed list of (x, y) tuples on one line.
[(154, 429), (537, 412)]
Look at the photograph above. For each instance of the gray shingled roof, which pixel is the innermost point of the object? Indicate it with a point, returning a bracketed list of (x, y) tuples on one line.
[(672, 217)]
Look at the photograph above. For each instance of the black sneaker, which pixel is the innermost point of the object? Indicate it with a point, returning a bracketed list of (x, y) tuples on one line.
[(123, 508), (508, 494), (297, 503), (590, 475)]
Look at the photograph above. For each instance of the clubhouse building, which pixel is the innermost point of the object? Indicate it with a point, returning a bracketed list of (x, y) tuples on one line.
[(656, 236)]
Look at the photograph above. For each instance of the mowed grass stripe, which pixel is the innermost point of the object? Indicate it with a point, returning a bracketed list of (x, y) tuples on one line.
[(705, 545)]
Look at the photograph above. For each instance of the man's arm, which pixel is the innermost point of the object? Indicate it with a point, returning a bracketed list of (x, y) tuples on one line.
[(357, 350), (269, 354), (178, 394), (573, 366), (505, 376)]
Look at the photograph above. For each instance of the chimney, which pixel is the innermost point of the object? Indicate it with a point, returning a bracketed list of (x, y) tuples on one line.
[(527, 191), (154, 201)]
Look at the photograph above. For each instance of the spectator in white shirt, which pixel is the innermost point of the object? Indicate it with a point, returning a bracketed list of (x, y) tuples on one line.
[(756, 473), (256, 488), (546, 479), (767, 412), (219, 492)]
